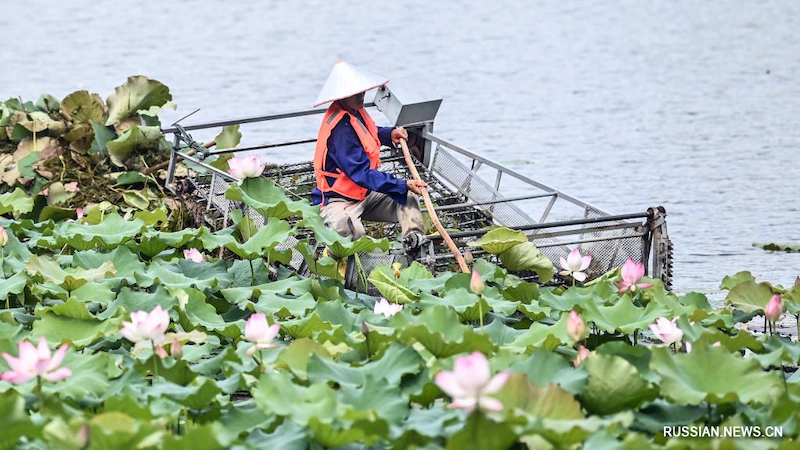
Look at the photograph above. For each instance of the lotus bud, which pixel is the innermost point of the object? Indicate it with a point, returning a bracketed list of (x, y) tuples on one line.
[(83, 436), (79, 213), (3, 237), (583, 353), (161, 352), (468, 257), (774, 308), (397, 266), (364, 328), (476, 283), (576, 329), (176, 349)]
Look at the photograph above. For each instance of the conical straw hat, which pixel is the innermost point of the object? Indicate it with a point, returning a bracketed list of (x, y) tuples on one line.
[(347, 80)]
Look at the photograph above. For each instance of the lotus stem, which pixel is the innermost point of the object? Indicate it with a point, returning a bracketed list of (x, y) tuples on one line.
[(38, 391), (797, 324), (155, 366), (480, 311), (635, 337)]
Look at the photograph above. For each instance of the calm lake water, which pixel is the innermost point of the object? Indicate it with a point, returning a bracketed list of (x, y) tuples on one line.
[(622, 103)]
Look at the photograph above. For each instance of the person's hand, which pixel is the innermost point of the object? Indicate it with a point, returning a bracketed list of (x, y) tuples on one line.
[(416, 186), (399, 133)]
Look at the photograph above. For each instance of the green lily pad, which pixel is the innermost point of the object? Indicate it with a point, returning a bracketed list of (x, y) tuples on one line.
[(111, 232), (136, 138), (623, 316), (277, 394), (749, 296), (440, 332), (614, 385), (267, 198), (714, 375), (71, 322), (499, 240), (16, 202), (481, 433), (382, 277), (527, 257)]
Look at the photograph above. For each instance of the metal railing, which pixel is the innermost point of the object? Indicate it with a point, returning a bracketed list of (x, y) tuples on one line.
[(468, 199)]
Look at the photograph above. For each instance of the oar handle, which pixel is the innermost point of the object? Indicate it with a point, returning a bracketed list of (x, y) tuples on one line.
[(432, 212)]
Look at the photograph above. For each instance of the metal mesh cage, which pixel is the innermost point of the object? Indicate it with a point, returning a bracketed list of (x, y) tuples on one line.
[(468, 205)]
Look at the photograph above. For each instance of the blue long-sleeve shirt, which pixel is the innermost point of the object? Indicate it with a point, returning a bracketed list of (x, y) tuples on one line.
[(346, 153)]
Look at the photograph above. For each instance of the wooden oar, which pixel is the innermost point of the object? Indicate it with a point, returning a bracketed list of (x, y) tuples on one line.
[(432, 212)]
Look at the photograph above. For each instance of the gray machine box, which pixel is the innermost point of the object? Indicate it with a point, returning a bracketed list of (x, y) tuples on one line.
[(408, 101)]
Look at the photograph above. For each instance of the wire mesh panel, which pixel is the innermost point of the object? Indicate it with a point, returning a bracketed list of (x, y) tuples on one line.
[(467, 204)]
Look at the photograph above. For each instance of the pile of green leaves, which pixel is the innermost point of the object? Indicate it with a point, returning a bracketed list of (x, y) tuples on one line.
[(81, 149), (345, 377)]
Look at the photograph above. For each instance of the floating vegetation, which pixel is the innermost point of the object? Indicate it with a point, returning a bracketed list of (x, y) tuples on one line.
[(168, 346), (82, 150)]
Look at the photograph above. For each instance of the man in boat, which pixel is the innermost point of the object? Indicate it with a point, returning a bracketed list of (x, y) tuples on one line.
[(349, 185)]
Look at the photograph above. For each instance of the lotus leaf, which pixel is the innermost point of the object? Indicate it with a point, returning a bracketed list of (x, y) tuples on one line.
[(544, 367), (623, 316), (83, 107), (15, 202), (441, 333), (712, 374), (278, 395), (71, 321), (135, 139), (137, 93), (110, 233), (383, 279), (102, 136), (527, 257), (267, 198), (499, 240), (615, 385), (749, 296), (481, 433)]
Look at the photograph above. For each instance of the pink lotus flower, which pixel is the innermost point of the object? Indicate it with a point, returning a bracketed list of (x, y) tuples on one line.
[(79, 213), (632, 272), (476, 283), (774, 308), (583, 353), (667, 330), (35, 362), (3, 237), (575, 264), (146, 326), (382, 306), (259, 332), (246, 167), (470, 383), (576, 329), (194, 255)]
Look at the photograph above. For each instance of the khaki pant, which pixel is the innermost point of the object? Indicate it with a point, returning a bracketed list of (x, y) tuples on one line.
[(345, 216)]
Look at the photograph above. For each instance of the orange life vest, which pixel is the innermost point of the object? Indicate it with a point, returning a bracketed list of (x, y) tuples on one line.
[(367, 135)]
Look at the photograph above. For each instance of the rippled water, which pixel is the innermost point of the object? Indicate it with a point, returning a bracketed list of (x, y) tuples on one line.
[(624, 104)]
